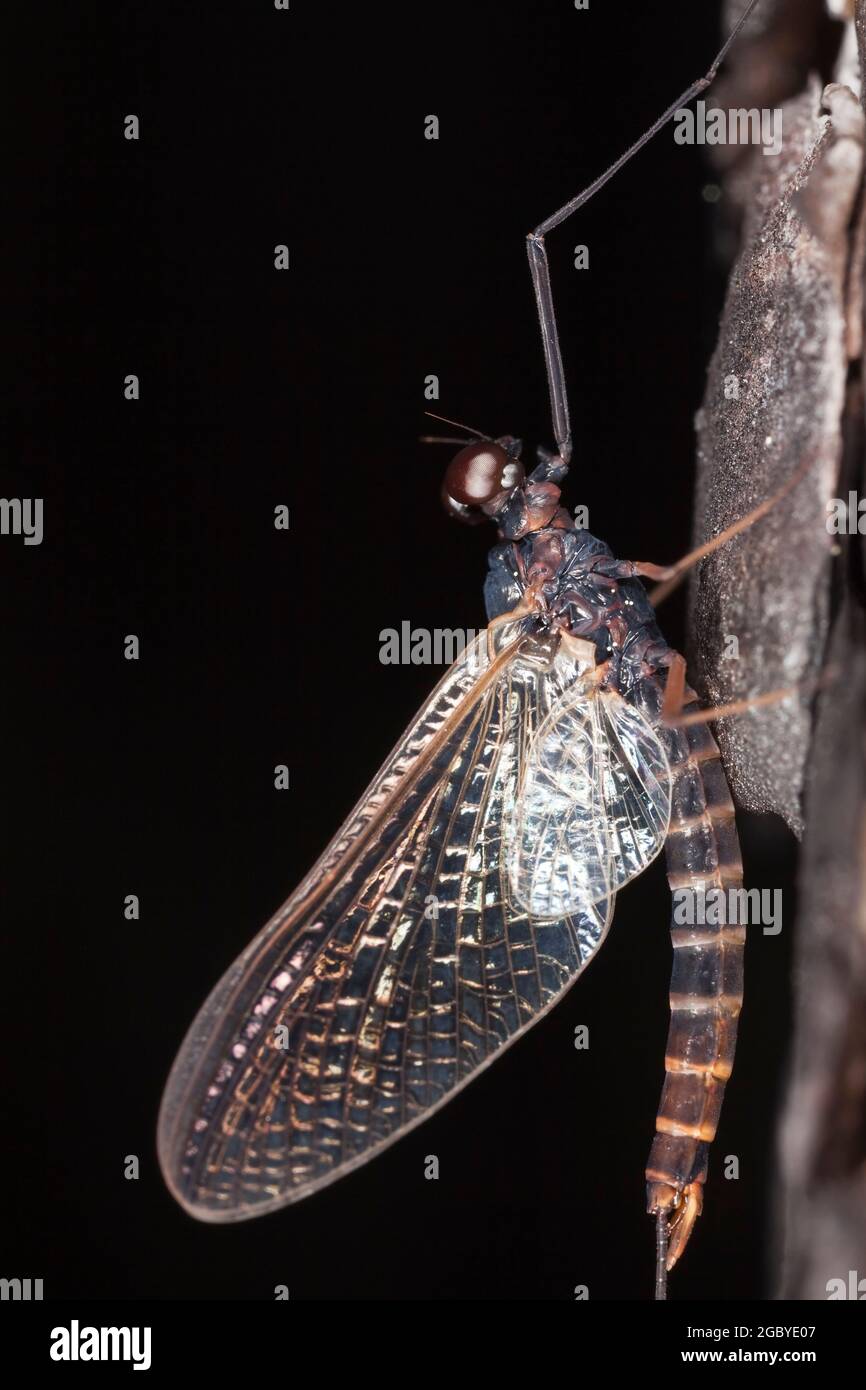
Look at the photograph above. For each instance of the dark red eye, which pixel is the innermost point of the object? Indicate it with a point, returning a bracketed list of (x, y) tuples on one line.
[(479, 473)]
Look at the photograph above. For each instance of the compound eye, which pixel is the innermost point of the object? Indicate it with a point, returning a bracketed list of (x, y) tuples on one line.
[(479, 473)]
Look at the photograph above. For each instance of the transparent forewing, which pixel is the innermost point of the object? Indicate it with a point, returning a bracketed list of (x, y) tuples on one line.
[(594, 804), (397, 971)]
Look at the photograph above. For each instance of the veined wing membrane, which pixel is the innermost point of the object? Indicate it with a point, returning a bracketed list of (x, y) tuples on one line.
[(594, 806), (396, 972)]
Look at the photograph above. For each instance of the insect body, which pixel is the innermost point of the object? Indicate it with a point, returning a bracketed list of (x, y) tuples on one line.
[(476, 877), (467, 891), (585, 593)]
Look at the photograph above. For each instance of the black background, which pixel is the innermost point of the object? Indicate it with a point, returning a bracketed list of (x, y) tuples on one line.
[(260, 647)]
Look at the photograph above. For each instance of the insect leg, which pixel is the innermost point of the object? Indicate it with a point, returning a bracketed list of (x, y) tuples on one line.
[(537, 253), (672, 575), (675, 689), (674, 715), (706, 983), (529, 602)]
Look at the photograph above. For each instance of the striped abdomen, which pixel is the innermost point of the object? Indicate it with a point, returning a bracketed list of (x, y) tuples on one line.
[(703, 855)]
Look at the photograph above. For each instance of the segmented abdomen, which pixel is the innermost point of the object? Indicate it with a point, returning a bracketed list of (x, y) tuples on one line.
[(703, 854)]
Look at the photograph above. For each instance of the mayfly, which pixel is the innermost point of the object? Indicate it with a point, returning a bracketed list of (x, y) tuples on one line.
[(476, 877)]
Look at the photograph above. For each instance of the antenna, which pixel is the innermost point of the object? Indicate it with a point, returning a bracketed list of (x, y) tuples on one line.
[(458, 423)]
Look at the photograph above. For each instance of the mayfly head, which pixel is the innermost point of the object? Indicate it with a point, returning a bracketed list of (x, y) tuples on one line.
[(486, 481), (480, 479)]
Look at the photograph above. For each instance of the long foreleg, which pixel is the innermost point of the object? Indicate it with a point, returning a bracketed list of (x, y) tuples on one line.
[(703, 854)]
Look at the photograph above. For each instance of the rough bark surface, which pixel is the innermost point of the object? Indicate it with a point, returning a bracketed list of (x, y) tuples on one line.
[(774, 403), (784, 393)]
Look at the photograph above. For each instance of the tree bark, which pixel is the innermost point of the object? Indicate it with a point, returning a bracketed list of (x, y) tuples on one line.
[(784, 603)]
